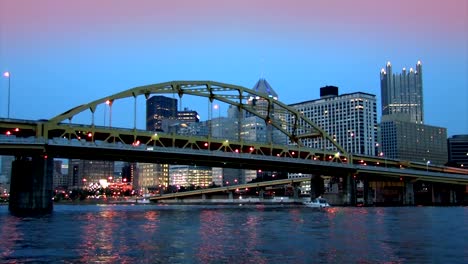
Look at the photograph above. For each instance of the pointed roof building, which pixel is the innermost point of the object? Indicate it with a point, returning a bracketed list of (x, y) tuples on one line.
[(262, 86)]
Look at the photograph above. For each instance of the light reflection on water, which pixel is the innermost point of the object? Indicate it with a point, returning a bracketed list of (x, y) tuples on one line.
[(229, 234)]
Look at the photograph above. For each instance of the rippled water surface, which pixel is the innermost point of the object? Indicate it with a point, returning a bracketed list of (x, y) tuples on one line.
[(235, 234)]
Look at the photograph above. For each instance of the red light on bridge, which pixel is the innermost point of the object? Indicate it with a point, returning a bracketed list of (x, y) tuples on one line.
[(16, 129), (251, 148), (90, 134), (237, 151), (8, 133), (293, 153), (206, 144)]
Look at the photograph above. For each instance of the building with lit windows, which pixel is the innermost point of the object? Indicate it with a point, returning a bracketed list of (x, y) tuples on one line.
[(402, 94), (82, 173), (150, 177), (158, 108), (188, 116), (458, 151), (414, 142), (403, 134), (186, 176), (254, 128), (350, 119)]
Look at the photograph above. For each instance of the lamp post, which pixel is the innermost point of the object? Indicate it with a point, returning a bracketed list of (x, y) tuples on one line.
[(217, 107), (427, 165), (7, 74), (381, 154), (109, 103)]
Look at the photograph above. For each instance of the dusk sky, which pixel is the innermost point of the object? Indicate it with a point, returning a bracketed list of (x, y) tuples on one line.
[(65, 53)]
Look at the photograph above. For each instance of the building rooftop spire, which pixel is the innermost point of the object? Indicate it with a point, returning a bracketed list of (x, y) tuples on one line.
[(262, 86)]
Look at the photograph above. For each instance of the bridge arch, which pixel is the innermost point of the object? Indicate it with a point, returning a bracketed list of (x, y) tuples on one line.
[(296, 127)]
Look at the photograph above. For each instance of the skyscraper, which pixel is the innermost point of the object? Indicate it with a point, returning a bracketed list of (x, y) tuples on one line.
[(402, 132), (402, 97), (158, 108), (350, 119)]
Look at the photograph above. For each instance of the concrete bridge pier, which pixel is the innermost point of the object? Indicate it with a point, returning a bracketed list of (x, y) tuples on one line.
[(296, 191), (350, 190), (316, 186), (409, 194), (31, 189), (260, 194)]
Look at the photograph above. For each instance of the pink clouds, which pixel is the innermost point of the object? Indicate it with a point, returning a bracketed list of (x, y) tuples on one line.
[(297, 15)]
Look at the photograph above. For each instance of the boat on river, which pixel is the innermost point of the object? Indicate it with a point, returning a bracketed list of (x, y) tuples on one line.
[(317, 203)]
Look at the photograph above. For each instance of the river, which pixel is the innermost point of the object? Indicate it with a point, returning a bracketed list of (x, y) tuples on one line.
[(235, 234)]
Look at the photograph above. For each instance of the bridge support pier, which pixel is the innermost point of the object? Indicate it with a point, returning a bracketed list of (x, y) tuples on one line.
[(296, 191), (316, 186), (350, 195), (409, 194), (261, 193), (31, 189)]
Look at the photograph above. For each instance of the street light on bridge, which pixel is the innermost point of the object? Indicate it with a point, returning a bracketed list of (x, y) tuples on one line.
[(7, 74), (109, 103), (427, 165)]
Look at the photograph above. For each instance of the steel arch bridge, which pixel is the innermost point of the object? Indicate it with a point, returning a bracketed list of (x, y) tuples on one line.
[(296, 126)]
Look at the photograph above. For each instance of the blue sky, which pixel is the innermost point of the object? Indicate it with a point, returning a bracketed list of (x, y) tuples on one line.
[(62, 54)]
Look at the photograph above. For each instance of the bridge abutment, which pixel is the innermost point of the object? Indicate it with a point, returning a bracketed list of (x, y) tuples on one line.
[(31, 189)]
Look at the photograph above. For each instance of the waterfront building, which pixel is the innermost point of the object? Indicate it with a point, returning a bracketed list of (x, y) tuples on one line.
[(402, 94), (458, 151), (350, 119), (414, 142), (59, 179), (83, 173), (190, 176), (403, 134)]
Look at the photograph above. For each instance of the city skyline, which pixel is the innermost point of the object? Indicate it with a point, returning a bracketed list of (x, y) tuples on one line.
[(61, 55)]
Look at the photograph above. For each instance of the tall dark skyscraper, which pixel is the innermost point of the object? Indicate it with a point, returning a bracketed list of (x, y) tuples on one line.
[(402, 97), (158, 108), (403, 134)]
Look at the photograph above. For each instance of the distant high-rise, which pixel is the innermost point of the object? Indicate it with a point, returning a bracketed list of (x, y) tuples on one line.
[(402, 96), (350, 119), (158, 108)]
